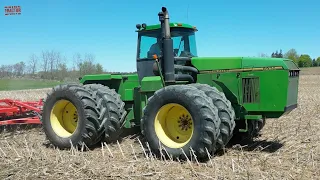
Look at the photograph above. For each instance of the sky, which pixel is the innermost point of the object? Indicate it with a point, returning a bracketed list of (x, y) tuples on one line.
[(107, 28)]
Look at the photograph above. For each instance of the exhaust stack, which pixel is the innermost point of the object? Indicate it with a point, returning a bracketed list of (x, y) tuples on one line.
[(167, 63)]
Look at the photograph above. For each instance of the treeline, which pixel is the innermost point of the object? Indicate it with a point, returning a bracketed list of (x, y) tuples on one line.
[(52, 65), (302, 60)]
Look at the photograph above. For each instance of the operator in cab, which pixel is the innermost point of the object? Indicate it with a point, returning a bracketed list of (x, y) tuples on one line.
[(155, 48)]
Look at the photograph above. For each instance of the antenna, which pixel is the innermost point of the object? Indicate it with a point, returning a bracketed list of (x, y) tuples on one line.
[(188, 13)]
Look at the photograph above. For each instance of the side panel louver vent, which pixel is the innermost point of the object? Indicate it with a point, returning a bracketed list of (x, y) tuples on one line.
[(251, 90), (293, 73)]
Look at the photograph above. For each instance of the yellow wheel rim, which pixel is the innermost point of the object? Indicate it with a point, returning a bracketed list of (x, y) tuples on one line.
[(174, 125), (64, 118)]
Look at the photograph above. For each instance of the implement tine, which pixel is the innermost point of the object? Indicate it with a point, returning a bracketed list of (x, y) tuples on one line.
[(20, 112)]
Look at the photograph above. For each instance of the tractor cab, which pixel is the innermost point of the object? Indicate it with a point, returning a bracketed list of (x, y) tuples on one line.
[(149, 44)]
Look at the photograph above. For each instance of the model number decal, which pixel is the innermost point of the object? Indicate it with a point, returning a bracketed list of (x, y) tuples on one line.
[(242, 70)]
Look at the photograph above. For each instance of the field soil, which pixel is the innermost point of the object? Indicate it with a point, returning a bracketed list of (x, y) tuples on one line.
[(288, 148), (25, 83)]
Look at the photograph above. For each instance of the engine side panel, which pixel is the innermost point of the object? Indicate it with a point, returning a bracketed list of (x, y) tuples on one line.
[(262, 86)]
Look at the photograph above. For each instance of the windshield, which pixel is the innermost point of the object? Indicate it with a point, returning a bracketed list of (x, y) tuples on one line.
[(184, 43)]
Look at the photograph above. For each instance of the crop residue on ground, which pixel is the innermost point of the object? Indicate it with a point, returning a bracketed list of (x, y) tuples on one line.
[(288, 148)]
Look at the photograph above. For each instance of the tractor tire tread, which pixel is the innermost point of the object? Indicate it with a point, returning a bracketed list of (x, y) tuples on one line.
[(226, 113), (89, 135), (204, 107), (112, 111)]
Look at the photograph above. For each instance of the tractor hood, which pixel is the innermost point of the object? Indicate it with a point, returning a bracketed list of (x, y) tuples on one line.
[(236, 63)]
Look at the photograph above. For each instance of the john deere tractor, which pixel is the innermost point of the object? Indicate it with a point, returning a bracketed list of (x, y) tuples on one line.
[(180, 101)]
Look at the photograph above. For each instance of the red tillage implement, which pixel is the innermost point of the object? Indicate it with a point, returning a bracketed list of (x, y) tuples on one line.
[(19, 112)]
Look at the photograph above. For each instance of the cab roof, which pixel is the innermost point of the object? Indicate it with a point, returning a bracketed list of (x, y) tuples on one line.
[(173, 24)]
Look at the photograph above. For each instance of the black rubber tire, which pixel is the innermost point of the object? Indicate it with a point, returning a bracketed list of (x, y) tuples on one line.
[(226, 113), (206, 120), (254, 127), (112, 111), (262, 123), (88, 123)]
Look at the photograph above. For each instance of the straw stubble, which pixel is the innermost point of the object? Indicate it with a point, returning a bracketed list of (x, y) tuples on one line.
[(288, 148)]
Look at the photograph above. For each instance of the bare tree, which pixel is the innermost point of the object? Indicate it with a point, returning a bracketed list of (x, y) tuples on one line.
[(18, 69), (44, 56), (15, 69), (33, 63), (57, 62), (77, 60), (51, 62), (58, 59), (63, 71), (54, 66), (99, 69), (51, 58), (90, 58), (262, 55), (90, 67), (3, 71), (9, 70)]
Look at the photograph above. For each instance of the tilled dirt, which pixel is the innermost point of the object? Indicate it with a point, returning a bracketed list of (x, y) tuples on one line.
[(25, 95), (288, 148)]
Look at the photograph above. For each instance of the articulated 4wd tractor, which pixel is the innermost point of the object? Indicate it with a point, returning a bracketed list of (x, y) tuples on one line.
[(180, 101)]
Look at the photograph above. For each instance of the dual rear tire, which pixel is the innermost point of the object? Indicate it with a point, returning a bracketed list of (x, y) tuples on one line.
[(188, 120)]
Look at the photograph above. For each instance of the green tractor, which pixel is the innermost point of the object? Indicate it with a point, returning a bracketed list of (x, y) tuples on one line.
[(178, 100)]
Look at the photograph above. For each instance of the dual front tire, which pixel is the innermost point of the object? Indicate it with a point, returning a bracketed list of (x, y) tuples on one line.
[(78, 115)]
